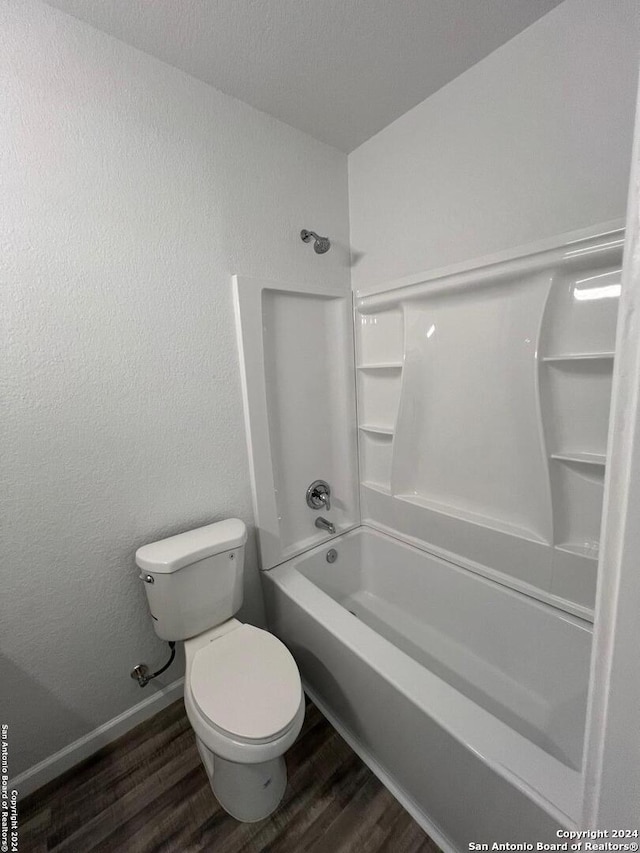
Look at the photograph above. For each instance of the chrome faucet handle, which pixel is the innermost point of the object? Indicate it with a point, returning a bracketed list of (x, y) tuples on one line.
[(319, 495), (326, 499)]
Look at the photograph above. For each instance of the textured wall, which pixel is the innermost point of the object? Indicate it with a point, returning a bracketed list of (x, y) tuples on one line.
[(533, 141), (131, 192)]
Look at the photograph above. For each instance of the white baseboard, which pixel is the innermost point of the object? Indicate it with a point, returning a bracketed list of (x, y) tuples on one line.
[(38, 775), (399, 793)]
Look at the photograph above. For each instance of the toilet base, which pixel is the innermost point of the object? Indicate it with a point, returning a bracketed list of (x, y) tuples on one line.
[(248, 792)]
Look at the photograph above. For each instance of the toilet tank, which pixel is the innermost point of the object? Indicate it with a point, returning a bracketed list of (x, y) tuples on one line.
[(193, 580)]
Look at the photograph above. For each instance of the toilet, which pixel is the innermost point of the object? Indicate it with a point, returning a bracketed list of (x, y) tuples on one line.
[(242, 692)]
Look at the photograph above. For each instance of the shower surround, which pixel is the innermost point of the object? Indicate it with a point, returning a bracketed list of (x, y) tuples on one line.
[(449, 640)]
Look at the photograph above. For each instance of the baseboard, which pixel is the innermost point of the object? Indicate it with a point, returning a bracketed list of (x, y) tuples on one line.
[(399, 793), (58, 763)]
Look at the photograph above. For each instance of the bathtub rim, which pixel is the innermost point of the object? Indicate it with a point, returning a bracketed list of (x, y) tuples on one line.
[(553, 786), (523, 591)]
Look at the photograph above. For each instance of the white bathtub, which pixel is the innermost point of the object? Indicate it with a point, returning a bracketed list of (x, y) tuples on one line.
[(466, 698)]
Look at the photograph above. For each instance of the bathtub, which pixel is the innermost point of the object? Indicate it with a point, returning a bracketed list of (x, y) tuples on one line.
[(466, 698)]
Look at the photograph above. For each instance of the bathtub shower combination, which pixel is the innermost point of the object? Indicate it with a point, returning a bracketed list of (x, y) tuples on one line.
[(441, 613)]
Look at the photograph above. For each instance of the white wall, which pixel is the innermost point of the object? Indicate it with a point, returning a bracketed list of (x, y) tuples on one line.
[(533, 141), (130, 194)]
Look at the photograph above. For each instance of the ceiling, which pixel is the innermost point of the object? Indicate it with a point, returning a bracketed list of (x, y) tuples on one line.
[(340, 70)]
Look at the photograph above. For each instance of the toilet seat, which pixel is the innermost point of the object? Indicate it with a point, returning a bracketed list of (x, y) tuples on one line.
[(246, 685)]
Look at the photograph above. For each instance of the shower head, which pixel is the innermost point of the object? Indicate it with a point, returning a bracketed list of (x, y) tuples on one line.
[(321, 244)]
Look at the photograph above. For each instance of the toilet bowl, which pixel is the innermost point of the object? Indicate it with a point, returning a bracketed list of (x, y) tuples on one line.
[(243, 693), (245, 702)]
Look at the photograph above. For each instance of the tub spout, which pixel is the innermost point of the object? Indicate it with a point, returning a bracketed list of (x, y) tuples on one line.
[(323, 524)]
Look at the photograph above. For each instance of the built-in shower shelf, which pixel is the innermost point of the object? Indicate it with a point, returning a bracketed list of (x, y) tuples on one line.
[(377, 430), (580, 356), (386, 365), (589, 553), (581, 458)]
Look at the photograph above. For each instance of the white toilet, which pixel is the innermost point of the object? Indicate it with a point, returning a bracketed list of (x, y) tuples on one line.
[(242, 690)]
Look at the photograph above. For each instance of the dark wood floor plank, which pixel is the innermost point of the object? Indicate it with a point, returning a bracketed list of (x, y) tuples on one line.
[(93, 832), (405, 836), (103, 780), (165, 819), (148, 793), (355, 826)]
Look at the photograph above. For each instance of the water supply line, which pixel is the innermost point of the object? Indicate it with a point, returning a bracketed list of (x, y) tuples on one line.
[(140, 672)]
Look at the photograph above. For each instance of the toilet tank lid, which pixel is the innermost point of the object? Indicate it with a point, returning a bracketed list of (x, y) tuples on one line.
[(169, 555)]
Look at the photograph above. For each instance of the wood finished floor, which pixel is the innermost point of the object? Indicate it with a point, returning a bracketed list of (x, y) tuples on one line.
[(148, 793)]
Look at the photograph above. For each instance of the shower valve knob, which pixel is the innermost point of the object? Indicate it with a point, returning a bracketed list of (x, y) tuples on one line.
[(319, 495)]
